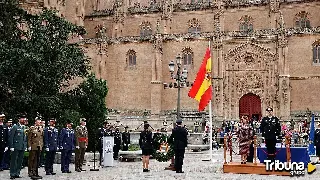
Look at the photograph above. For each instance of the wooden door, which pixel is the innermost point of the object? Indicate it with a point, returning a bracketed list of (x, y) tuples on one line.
[(250, 104)]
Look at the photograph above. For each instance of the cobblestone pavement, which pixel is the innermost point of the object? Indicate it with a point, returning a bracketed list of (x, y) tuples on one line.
[(194, 166)]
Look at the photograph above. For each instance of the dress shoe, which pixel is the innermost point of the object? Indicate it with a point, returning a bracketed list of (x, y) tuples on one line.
[(83, 170), (17, 177), (64, 171), (179, 171), (53, 173), (68, 171), (12, 177)]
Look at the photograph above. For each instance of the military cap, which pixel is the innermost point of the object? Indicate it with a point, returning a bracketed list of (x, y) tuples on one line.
[(2, 115), (69, 122), (52, 119), (10, 121), (269, 109), (22, 116), (38, 118), (83, 120), (179, 121)]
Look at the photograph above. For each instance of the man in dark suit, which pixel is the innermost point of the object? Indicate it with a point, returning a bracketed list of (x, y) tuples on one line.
[(270, 128), (51, 137), (180, 141)]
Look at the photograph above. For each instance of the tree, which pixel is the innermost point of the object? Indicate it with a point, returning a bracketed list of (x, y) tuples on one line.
[(36, 60), (91, 95)]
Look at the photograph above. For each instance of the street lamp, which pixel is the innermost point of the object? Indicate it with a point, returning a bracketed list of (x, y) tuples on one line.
[(180, 77)]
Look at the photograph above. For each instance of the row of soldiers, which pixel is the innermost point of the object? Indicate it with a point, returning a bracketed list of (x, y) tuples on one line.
[(19, 138), (119, 139)]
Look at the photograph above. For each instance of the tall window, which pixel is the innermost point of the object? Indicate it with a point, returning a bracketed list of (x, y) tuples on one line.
[(302, 20), (145, 29), (194, 26), (131, 58), (187, 56), (246, 24), (316, 52)]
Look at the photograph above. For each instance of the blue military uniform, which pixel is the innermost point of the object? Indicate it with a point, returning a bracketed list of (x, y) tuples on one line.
[(67, 145), (6, 156), (3, 141), (51, 146)]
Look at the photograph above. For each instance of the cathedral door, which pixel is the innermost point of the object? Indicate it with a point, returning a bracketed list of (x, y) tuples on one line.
[(250, 104)]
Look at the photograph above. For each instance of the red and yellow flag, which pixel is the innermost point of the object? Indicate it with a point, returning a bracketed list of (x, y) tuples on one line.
[(202, 88)]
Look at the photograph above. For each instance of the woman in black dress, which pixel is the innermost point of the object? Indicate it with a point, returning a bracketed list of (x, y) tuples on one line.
[(145, 143)]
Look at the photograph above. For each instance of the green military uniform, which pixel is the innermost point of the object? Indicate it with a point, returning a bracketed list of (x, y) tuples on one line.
[(35, 143), (17, 144), (81, 145)]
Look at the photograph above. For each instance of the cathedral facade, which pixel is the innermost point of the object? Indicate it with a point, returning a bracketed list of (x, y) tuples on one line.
[(265, 53)]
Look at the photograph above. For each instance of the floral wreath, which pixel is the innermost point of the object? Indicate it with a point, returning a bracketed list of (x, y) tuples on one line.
[(159, 142)]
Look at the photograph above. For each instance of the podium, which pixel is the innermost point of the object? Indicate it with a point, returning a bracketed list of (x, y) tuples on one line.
[(108, 142)]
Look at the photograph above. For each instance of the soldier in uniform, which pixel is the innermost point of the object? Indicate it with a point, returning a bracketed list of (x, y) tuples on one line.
[(3, 139), (102, 132), (17, 145), (42, 159), (117, 143), (125, 139), (66, 142), (6, 156), (270, 128), (180, 141), (51, 136), (81, 144), (35, 143)]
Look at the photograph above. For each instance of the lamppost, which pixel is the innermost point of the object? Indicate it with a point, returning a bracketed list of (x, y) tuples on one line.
[(180, 77)]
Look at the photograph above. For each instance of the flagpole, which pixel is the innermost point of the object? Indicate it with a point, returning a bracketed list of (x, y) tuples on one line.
[(210, 118), (210, 114)]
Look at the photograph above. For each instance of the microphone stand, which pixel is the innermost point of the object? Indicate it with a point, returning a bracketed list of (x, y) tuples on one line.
[(94, 157)]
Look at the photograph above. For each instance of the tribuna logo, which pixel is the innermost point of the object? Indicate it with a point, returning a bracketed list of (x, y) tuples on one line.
[(295, 169)]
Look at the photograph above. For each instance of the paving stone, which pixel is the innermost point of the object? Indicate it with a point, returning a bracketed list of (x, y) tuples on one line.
[(194, 166)]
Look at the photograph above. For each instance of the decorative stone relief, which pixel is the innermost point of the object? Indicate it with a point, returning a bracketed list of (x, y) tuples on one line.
[(167, 9), (118, 12), (157, 43), (248, 80), (274, 6)]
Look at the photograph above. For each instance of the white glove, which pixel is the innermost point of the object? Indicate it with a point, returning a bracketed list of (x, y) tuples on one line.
[(61, 148), (77, 147), (5, 149), (26, 149), (47, 149), (86, 147), (128, 144), (11, 149), (29, 149), (124, 144), (57, 149)]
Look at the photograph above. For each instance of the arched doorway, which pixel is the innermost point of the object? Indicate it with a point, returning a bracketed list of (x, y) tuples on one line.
[(250, 104)]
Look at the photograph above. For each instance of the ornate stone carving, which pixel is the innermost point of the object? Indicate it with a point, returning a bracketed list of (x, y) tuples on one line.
[(167, 9), (157, 43), (118, 12), (100, 31), (249, 80), (274, 6)]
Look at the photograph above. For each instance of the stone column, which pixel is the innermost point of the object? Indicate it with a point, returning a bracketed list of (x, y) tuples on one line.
[(156, 81)]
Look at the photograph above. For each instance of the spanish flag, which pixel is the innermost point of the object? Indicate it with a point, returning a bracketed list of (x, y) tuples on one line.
[(202, 87)]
